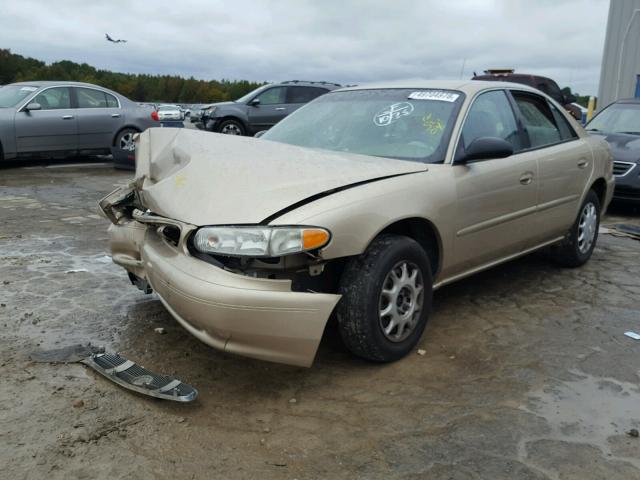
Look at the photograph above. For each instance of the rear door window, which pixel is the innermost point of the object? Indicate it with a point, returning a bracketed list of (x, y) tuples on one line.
[(304, 94), (90, 98), (112, 102), (566, 130), (537, 119)]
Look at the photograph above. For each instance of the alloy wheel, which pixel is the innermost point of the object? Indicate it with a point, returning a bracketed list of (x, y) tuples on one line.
[(126, 141), (401, 301), (231, 129), (587, 227)]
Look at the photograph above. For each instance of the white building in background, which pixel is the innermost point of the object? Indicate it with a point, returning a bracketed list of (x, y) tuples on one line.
[(620, 73)]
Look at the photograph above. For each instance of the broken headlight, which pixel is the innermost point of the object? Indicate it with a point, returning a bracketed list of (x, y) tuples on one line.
[(259, 241)]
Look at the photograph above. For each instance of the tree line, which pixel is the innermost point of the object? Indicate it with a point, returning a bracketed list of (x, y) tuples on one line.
[(137, 87)]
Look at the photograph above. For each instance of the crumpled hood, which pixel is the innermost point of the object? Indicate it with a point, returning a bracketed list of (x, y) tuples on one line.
[(624, 147), (207, 178)]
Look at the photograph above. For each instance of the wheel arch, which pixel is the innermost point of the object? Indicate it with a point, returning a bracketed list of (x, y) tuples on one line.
[(600, 187), (115, 137), (422, 231)]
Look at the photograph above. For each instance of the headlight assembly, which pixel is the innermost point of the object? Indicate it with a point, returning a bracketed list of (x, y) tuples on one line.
[(259, 241)]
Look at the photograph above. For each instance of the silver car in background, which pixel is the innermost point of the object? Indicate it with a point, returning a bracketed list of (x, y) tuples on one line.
[(67, 118)]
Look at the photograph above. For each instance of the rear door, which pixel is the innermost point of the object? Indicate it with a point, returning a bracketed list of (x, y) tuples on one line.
[(496, 198), (565, 162), (99, 118), (53, 128), (271, 109)]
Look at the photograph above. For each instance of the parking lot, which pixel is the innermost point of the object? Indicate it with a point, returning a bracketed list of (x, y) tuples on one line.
[(523, 371)]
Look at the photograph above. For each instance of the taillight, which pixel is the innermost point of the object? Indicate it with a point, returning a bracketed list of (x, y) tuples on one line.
[(154, 116)]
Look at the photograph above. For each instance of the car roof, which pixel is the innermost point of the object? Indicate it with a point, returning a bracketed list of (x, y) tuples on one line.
[(48, 83), (309, 83), (501, 76), (469, 87)]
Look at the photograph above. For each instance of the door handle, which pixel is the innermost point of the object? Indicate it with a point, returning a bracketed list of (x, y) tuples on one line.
[(67, 117), (582, 164), (115, 115), (526, 178), (280, 108)]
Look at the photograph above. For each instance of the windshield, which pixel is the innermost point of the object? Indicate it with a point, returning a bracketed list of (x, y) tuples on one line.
[(395, 123), (12, 95), (617, 118), (249, 95)]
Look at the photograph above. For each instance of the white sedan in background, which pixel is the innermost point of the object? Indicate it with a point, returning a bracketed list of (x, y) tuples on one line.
[(170, 112)]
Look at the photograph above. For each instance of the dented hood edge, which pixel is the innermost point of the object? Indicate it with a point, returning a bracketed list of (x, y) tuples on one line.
[(202, 178)]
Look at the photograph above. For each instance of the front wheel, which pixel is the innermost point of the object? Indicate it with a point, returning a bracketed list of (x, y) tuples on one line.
[(386, 299), (577, 247), (231, 127)]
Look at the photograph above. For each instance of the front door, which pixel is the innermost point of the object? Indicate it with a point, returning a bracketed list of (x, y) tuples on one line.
[(496, 198), (99, 118), (272, 108), (50, 129)]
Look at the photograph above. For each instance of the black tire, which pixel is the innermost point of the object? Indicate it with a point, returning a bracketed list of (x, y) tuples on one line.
[(361, 284), (229, 126), (125, 133), (572, 252)]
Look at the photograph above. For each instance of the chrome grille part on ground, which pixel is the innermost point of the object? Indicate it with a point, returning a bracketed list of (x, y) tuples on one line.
[(132, 376)]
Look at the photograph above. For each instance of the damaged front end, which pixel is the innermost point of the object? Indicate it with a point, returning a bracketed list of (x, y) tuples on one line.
[(239, 307), (262, 307)]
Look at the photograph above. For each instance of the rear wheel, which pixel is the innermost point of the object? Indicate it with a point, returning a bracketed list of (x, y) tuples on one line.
[(124, 139), (576, 249), (386, 299), (231, 127)]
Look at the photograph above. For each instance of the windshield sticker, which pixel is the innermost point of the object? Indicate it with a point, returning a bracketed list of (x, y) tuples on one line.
[(432, 125), (434, 95), (28, 89), (392, 113)]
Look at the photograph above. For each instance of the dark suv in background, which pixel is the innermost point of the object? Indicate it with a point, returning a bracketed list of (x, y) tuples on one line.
[(543, 84), (262, 108)]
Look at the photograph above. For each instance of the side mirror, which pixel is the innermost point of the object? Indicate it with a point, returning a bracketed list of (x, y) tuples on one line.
[(484, 148), (255, 102), (260, 133), (33, 106), (569, 99)]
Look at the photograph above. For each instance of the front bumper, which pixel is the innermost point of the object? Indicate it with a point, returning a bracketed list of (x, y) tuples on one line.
[(254, 317)]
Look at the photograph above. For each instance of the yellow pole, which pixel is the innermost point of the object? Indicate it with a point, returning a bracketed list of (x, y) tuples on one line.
[(591, 106)]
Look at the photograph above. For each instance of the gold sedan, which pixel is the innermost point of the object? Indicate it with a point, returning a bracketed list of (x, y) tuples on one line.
[(358, 205)]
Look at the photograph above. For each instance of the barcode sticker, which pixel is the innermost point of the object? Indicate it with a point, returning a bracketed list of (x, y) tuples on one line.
[(434, 95)]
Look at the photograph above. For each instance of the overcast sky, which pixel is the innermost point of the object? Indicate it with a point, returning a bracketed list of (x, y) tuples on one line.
[(346, 41)]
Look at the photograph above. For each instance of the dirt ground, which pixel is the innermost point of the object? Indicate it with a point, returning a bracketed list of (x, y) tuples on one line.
[(526, 375)]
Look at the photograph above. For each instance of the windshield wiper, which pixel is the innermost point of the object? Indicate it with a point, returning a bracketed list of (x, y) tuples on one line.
[(630, 133), (592, 130)]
